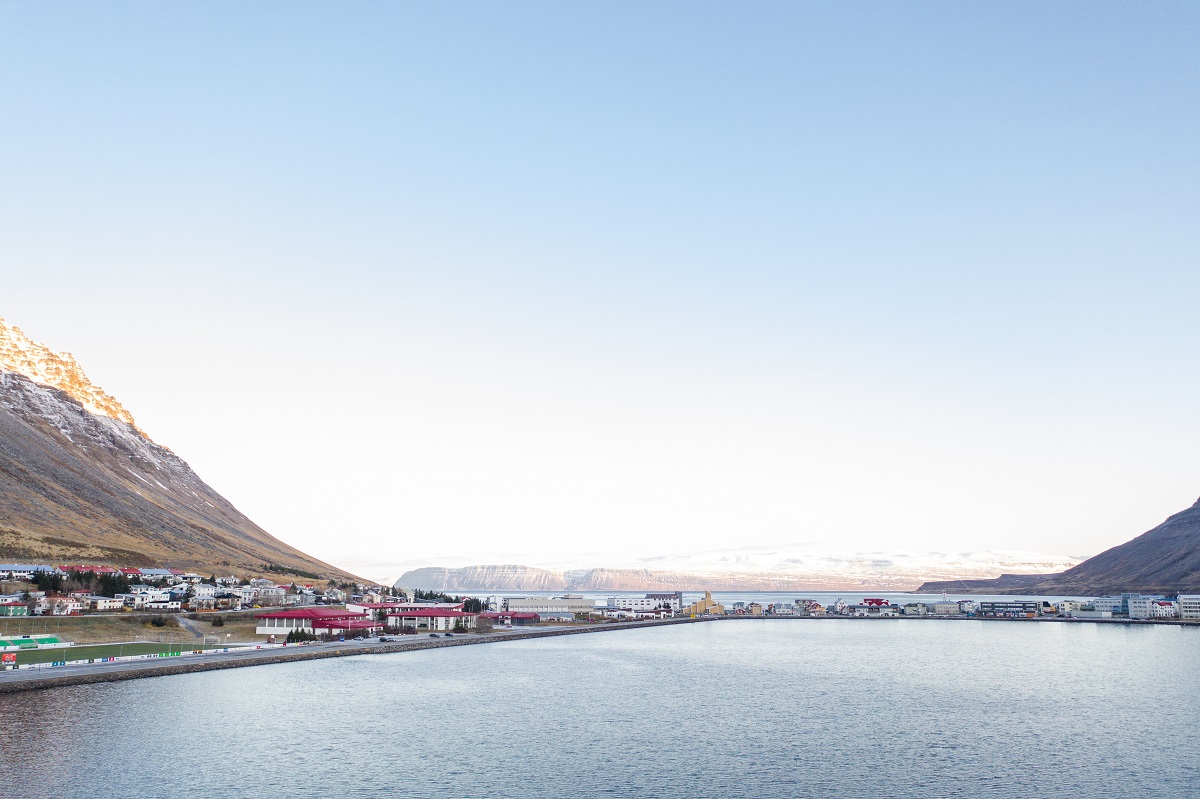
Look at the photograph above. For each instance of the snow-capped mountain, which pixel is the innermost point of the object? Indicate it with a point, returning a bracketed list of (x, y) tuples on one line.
[(24, 356), (744, 569), (80, 483)]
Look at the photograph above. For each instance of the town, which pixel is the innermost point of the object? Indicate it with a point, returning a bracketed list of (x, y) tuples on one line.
[(291, 613)]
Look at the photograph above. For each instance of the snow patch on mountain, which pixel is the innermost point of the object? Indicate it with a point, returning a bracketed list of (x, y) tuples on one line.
[(24, 356)]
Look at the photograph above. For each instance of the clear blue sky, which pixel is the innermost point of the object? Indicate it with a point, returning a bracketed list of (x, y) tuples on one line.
[(512, 278)]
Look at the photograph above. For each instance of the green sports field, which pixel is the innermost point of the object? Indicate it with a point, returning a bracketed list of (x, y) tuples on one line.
[(102, 651)]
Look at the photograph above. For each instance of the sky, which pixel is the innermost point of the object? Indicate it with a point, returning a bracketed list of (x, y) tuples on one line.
[(578, 284)]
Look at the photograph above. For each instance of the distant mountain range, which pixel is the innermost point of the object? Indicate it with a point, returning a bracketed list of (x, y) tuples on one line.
[(745, 570), (1163, 560), (79, 482)]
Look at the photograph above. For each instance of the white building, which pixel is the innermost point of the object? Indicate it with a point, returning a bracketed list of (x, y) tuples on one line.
[(561, 604), (1189, 606), (1163, 609), (1141, 607), (101, 603), (672, 602)]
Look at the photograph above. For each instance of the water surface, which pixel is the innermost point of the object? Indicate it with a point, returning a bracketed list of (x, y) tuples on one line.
[(741, 708)]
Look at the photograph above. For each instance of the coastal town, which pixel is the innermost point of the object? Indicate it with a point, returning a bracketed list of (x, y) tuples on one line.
[(291, 613)]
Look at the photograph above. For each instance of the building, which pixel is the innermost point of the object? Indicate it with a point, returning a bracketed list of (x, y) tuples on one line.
[(1012, 609), (314, 621), (1141, 607), (103, 603), (1189, 606), (518, 618), (672, 602), (1162, 609), (945, 609), (431, 619), (885, 610), (57, 605), (704, 607), (569, 603), (14, 609)]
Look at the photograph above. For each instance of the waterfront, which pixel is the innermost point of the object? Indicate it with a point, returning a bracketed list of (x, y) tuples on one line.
[(755, 709)]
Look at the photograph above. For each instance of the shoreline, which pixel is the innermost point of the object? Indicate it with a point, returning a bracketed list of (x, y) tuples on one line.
[(135, 670)]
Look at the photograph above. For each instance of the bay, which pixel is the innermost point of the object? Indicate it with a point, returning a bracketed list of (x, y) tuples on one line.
[(735, 708)]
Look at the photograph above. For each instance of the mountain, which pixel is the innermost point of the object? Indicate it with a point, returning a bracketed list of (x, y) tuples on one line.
[(1163, 560), (747, 569), (79, 482)]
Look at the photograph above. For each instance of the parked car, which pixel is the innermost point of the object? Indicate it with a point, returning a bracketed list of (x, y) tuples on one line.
[(434, 635), (449, 635)]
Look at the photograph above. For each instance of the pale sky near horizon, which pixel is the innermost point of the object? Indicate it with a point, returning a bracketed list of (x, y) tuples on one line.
[(562, 283)]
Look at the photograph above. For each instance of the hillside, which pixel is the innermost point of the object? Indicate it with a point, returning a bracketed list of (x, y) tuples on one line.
[(1162, 560), (80, 483)]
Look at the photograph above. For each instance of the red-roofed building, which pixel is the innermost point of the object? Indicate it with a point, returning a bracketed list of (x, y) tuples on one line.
[(875, 603), (131, 572), (82, 569), (347, 627), (431, 619), (304, 619)]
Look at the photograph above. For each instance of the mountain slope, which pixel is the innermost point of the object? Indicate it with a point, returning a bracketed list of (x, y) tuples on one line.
[(1162, 560), (79, 482)]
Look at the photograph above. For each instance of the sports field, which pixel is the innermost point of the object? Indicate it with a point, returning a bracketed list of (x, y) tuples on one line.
[(104, 651)]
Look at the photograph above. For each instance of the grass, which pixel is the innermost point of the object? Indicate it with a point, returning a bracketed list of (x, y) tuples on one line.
[(103, 651), (92, 629)]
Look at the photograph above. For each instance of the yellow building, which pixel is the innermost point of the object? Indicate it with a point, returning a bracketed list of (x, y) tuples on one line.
[(704, 606)]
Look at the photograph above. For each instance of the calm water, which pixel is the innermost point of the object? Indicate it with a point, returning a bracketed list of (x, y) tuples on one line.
[(762, 708)]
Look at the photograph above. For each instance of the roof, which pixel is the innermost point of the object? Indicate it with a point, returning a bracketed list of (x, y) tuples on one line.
[(312, 613), (432, 613), (345, 624)]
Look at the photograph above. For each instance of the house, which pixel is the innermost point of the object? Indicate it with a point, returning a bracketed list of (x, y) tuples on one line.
[(1163, 609), (57, 605), (103, 603), (24, 571), (163, 606), (945, 609), (431, 619), (12, 608)]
